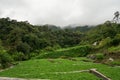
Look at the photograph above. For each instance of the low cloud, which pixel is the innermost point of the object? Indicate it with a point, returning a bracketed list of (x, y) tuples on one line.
[(60, 12)]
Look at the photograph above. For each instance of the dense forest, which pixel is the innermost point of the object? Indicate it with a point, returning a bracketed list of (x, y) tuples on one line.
[(22, 40)]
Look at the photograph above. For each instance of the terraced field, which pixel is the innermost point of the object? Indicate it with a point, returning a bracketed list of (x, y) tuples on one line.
[(60, 69)]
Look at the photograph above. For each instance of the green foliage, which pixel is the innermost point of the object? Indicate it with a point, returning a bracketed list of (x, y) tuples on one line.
[(114, 49), (24, 37), (116, 40), (48, 48), (101, 32), (5, 59), (23, 47), (32, 40), (19, 56), (105, 42), (77, 51), (99, 56)]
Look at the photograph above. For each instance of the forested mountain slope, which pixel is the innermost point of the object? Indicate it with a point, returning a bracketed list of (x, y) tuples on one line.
[(22, 40)]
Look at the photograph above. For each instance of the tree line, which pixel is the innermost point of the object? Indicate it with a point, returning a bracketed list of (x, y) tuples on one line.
[(22, 40)]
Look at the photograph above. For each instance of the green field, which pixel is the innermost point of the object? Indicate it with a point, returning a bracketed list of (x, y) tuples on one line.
[(50, 68)]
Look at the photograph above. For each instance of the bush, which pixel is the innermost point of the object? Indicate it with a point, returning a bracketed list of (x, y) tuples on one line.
[(48, 48), (116, 40), (99, 56), (19, 56), (105, 42), (5, 59), (33, 54), (57, 46), (23, 47)]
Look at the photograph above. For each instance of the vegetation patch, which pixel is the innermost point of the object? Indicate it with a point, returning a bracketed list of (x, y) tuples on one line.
[(44, 69), (77, 51)]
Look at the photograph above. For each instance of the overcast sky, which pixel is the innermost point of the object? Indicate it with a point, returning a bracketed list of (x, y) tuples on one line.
[(60, 12)]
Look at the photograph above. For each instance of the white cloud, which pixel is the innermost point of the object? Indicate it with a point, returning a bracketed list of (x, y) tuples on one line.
[(59, 12)]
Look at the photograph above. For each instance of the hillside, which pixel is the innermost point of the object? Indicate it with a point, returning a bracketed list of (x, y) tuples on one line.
[(16, 36), (23, 39), (103, 31), (43, 47)]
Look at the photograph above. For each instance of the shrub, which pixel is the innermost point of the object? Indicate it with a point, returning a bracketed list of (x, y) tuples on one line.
[(99, 56), (116, 40), (48, 48), (105, 42), (5, 59), (19, 56), (23, 47), (57, 46), (33, 54)]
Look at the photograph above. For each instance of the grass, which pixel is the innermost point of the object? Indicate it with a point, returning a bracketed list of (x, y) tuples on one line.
[(114, 63), (76, 51), (46, 68), (114, 48)]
